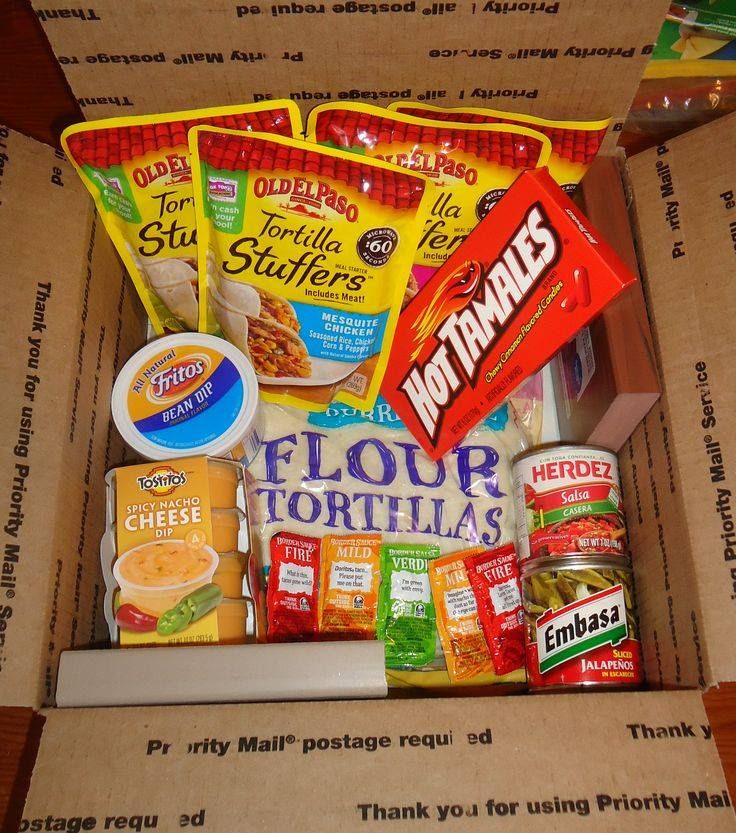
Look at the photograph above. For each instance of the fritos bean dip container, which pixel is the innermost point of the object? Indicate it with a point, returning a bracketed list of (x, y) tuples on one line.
[(581, 626), (188, 394), (568, 500)]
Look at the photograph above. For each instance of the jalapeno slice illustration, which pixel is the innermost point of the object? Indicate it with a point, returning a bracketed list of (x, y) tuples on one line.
[(191, 608)]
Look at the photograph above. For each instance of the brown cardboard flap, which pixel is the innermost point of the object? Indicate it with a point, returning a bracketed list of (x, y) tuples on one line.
[(572, 58), (643, 762), (67, 319), (679, 470)]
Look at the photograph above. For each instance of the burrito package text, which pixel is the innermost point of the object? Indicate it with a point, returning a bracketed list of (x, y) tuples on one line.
[(293, 583), (470, 165), (304, 258), (494, 577), (575, 144), (463, 642), (523, 283), (138, 171)]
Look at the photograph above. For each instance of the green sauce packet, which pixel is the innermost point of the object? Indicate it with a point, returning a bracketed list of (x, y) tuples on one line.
[(406, 612)]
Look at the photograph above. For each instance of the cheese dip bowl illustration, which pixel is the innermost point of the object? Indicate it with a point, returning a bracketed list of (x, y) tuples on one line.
[(155, 576)]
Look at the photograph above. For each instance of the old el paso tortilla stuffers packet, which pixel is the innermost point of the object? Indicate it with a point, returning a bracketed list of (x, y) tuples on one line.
[(463, 643), (137, 170), (575, 144), (350, 578), (304, 256), (470, 165), (526, 280), (165, 548)]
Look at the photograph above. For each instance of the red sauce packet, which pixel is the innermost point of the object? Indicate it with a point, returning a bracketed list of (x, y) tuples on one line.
[(494, 577), (293, 584)]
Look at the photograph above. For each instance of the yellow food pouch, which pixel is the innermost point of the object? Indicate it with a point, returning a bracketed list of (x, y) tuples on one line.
[(464, 646), (304, 257), (138, 172), (574, 143), (471, 166), (351, 576)]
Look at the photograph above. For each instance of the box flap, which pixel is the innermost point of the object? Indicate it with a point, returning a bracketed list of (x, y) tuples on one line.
[(646, 762), (67, 317), (515, 56), (227, 674), (679, 469)]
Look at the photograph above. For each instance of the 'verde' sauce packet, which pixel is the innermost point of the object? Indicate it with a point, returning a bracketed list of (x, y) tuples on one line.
[(524, 282), (304, 257), (494, 577), (350, 578), (470, 165), (575, 144), (406, 612), (463, 642), (138, 171), (293, 586)]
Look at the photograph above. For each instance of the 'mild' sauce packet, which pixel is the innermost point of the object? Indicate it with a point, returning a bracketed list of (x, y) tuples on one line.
[(350, 578), (304, 258), (406, 615), (138, 171), (463, 642)]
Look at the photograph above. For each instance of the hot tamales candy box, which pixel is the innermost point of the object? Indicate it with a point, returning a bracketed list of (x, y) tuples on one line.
[(529, 276)]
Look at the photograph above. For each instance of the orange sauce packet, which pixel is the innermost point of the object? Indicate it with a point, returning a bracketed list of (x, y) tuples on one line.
[(463, 642), (351, 575)]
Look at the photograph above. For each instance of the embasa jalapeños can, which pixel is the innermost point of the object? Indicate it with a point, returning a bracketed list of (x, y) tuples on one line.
[(581, 627), (568, 500)]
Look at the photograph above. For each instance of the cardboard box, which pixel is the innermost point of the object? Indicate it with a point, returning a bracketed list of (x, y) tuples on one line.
[(605, 379), (644, 760)]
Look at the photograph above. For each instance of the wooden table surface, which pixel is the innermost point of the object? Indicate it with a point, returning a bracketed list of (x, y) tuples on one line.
[(36, 100)]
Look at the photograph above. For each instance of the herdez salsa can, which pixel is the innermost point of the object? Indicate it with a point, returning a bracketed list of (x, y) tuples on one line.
[(581, 626), (567, 500)]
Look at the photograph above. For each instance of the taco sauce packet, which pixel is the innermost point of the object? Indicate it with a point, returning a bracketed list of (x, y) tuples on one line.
[(406, 611), (462, 639), (350, 578), (494, 577), (292, 593), (138, 171), (575, 144), (470, 165), (304, 257)]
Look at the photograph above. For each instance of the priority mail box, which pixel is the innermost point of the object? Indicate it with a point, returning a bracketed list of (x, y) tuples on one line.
[(645, 760)]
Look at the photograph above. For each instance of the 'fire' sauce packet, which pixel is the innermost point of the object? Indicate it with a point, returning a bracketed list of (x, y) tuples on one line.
[(494, 577), (293, 584), (138, 171), (470, 165), (406, 611), (304, 257), (463, 642), (350, 578), (575, 144)]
